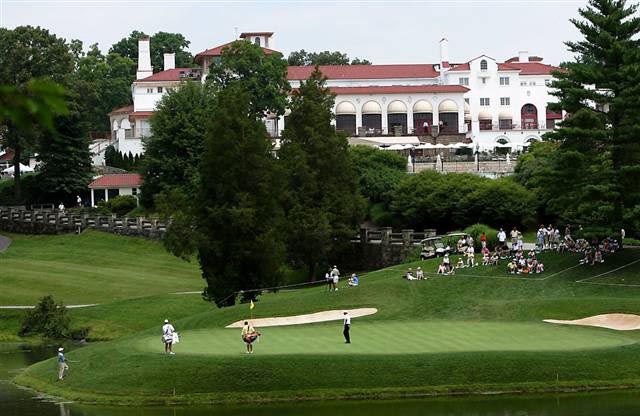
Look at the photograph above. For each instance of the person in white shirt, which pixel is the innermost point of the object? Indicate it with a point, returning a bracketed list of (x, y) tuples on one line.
[(471, 258), (335, 277), (167, 336), (502, 237), (347, 327)]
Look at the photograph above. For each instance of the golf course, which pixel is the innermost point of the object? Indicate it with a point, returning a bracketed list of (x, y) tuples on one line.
[(480, 330)]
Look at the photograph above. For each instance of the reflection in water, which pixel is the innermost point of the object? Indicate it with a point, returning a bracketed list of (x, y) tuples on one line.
[(17, 402)]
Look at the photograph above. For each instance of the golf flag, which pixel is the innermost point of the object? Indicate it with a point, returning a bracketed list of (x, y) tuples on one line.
[(252, 305)]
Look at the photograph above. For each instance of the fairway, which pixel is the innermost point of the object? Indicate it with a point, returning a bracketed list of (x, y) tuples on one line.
[(402, 337)]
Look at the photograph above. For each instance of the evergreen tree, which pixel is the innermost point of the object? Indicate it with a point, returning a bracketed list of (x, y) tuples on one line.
[(322, 203), (237, 210), (599, 153), (66, 161)]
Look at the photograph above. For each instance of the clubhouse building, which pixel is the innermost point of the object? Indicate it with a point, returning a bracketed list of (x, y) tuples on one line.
[(483, 102)]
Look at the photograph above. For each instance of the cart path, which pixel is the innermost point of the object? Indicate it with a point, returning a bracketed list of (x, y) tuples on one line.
[(88, 305), (5, 242)]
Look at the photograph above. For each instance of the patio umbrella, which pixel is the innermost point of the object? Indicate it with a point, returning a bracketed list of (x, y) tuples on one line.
[(23, 168)]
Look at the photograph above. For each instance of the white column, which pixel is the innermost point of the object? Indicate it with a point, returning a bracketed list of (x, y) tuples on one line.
[(542, 115), (280, 125), (92, 199), (358, 119), (410, 125), (461, 116), (385, 120)]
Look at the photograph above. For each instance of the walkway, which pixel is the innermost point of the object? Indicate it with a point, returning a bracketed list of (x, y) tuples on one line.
[(32, 306)]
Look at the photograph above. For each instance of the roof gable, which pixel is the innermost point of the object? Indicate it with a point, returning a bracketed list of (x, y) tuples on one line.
[(117, 180)]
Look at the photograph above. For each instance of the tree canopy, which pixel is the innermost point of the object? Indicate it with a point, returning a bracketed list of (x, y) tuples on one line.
[(263, 76), (304, 58)]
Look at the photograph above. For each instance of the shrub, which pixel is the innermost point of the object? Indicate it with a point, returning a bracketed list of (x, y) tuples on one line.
[(47, 319), (477, 229), (120, 205)]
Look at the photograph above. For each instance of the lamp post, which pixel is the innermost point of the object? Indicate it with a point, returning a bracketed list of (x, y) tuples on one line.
[(477, 157)]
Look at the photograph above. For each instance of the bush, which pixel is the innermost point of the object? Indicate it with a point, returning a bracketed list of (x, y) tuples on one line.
[(47, 319), (477, 229), (631, 242), (120, 205)]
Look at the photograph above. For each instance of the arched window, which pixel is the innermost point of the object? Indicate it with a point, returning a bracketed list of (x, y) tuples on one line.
[(257, 41), (483, 65)]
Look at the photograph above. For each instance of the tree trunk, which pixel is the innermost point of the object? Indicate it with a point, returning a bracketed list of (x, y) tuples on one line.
[(16, 173)]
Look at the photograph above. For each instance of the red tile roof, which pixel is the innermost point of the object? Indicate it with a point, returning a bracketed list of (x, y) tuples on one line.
[(217, 51), (399, 89), (117, 180), (122, 110), (365, 71), (533, 68), (507, 67), (8, 155), (460, 67), (168, 75)]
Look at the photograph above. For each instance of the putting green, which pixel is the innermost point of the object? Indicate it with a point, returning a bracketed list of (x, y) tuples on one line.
[(399, 337)]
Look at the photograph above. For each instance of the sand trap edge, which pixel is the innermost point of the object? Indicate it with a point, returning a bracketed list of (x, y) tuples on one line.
[(615, 321), (310, 318)]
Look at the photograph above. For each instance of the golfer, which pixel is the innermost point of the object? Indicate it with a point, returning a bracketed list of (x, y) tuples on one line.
[(62, 364), (347, 327), (167, 337), (249, 335)]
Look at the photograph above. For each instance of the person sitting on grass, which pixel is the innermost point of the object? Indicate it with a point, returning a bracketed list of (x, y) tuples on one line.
[(442, 269), (532, 264), (419, 273), (503, 252), (486, 259), (598, 256), (462, 245), (409, 275), (511, 267), (249, 335), (540, 267), (460, 264), (495, 258), (353, 280), (447, 262), (485, 251)]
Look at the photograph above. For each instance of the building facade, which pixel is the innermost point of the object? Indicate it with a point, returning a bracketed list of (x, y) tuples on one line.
[(487, 103)]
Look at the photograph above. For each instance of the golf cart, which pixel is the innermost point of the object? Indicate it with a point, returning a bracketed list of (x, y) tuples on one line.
[(440, 245)]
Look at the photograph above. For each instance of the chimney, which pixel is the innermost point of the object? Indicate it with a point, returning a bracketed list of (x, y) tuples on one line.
[(144, 59), (523, 56), (169, 61), (444, 53)]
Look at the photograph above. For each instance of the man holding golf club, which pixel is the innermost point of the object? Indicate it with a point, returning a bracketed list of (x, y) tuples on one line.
[(62, 364)]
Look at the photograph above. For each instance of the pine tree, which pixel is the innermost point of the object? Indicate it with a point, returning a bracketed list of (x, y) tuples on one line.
[(600, 140), (322, 203), (237, 212)]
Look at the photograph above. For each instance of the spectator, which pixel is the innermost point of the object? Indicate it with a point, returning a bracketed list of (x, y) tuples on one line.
[(419, 273), (502, 237), (514, 237), (483, 240), (353, 280)]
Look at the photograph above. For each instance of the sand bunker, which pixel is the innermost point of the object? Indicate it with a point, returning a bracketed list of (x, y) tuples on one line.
[(310, 318), (617, 321)]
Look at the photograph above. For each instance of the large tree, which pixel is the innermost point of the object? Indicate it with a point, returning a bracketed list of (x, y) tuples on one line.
[(322, 203), (599, 152), (161, 43), (263, 76), (237, 209), (103, 83), (304, 58), (173, 153), (27, 53)]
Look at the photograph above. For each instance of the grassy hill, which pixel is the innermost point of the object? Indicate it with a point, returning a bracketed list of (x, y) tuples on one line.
[(479, 330), (93, 267)]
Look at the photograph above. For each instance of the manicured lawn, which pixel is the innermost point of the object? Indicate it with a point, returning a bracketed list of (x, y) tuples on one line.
[(476, 331), (93, 267)]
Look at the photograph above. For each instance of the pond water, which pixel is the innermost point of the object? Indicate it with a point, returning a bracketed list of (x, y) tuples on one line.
[(18, 402)]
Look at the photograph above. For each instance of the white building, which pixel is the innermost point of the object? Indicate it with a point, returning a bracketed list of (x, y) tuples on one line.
[(484, 102)]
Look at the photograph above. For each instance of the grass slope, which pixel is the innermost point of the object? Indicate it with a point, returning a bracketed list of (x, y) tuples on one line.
[(93, 267), (479, 330)]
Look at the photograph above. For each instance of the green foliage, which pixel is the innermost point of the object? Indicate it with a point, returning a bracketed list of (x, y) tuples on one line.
[(120, 205), (304, 58), (103, 82), (128, 162), (237, 209), (322, 203), (476, 231), (173, 153), (263, 76), (47, 319), (65, 170), (37, 101), (378, 172), (631, 242), (452, 201), (161, 43), (594, 173)]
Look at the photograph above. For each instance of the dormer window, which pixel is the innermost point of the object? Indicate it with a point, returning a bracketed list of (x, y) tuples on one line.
[(483, 65)]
